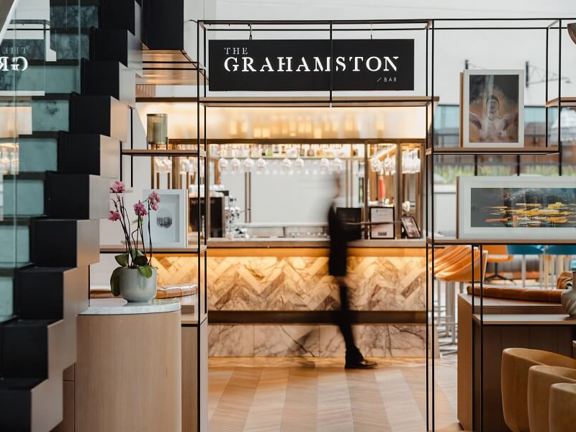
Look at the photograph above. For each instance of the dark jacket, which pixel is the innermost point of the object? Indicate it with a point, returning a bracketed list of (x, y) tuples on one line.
[(340, 235)]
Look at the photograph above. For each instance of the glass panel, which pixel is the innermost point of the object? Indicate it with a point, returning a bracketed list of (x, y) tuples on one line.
[(39, 68)]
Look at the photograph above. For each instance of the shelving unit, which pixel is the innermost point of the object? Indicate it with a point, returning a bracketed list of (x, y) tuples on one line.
[(194, 326), (428, 101), (433, 242)]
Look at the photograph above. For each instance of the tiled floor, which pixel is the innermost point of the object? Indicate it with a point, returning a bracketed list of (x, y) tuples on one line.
[(300, 395)]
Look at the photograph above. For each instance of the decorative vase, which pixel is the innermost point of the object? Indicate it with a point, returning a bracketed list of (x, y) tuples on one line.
[(569, 298), (136, 288)]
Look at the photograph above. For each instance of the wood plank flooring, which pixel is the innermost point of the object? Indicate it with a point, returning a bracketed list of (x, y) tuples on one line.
[(301, 395)]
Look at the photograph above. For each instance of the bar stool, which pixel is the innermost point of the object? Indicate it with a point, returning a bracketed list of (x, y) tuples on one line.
[(459, 271), (562, 415), (516, 363), (443, 259), (540, 379), (497, 254), (524, 250)]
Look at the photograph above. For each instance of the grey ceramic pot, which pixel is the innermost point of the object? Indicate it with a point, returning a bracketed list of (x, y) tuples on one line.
[(136, 288)]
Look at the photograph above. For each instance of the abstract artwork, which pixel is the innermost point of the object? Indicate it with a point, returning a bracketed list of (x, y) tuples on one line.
[(524, 207)]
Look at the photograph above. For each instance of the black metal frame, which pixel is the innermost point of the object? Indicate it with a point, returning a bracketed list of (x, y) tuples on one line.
[(432, 243), (430, 27)]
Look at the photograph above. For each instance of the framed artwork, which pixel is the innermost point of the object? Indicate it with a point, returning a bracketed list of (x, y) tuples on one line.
[(492, 108), (381, 222), (168, 225), (523, 207), (411, 227)]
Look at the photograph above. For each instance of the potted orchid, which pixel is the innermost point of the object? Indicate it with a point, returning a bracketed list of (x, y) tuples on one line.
[(135, 279)]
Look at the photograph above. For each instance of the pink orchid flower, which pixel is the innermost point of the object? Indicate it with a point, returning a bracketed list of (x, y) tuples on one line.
[(139, 209), (118, 187), (153, 198), (113, 216)]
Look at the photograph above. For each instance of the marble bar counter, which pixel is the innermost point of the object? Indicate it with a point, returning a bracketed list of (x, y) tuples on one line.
[(276, 298)]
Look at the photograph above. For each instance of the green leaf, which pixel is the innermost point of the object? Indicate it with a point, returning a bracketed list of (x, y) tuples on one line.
[(141, 260), (115, 281), (136, 253), (145, 271), (122, 259)]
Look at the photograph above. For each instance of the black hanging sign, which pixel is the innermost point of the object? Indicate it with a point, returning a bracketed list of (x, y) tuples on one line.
[(307, 65)]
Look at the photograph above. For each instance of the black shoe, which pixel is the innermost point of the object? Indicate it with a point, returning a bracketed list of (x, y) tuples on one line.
[(361, 364)]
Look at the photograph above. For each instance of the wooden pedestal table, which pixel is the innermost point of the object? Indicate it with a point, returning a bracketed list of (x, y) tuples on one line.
[(128, 373)]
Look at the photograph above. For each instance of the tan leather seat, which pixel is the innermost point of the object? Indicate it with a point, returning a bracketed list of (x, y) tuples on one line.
[(498, 254), (540, 379), (448, 256), (562, 416), (516, 363), (460, 270)]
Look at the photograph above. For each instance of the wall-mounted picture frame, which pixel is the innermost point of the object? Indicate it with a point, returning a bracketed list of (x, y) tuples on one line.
[(492, 108), (169, 225), (411, 227), (381, 222), (516, 208)]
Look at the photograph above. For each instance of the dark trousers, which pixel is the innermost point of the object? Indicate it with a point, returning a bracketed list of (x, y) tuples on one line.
[(345, 323)]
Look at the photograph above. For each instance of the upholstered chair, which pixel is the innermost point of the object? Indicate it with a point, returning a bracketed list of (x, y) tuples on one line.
[(562, 417), (540, 379), (516, 363)]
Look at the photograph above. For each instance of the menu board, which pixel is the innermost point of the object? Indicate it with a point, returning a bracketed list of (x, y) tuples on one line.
[(381, 222)]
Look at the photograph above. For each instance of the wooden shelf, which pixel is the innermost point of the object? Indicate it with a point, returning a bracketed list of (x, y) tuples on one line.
[(455, 242), (564, 101), (182, 141), (321, 101), (112, 249), (281, 158), (170, 67), (162, 152), (525, 319), (459, 151)]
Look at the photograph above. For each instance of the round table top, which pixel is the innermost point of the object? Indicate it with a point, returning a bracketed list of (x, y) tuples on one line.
[(119, 306)]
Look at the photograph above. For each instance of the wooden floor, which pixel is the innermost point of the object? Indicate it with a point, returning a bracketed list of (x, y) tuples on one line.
[(297, 395)]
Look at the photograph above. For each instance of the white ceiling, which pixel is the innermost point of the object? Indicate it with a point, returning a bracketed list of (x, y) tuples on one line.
[(370, 9)]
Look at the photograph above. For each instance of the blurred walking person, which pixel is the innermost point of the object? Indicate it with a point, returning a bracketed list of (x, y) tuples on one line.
[(340, 234)]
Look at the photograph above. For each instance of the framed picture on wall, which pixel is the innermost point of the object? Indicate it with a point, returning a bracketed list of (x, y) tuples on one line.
[(516, 208), (169, 225), (382, 222), (411, 227), (492, 108)]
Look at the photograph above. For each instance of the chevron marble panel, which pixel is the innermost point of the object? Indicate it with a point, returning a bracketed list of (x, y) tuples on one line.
[(275, 283), (378, 340), (302, 283)]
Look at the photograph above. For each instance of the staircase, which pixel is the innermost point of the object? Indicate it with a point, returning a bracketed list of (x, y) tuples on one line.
[(52, 206)]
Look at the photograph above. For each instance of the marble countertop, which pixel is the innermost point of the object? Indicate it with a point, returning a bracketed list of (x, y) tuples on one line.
[(118, 306)]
